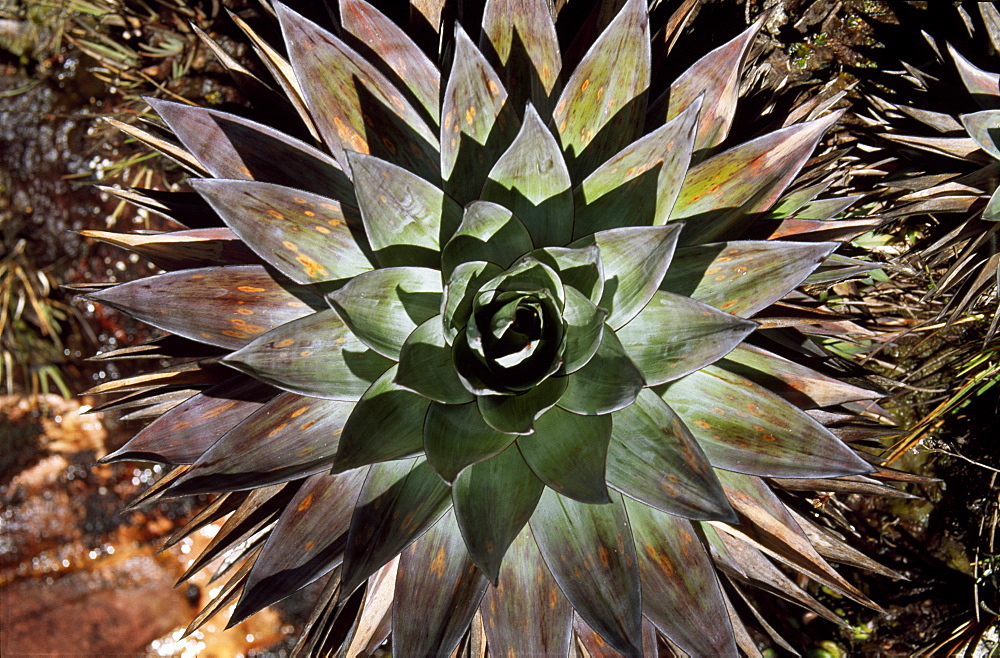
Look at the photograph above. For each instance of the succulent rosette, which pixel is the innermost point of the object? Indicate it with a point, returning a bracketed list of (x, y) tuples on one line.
[(473, 345)]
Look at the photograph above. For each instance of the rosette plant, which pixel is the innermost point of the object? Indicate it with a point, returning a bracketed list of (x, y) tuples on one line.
[(477, 351)]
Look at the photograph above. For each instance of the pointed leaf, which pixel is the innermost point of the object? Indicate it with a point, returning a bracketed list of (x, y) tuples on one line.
[(396, 49), (680, 591), (635, 260), (584, 330), (991, 212), (568, 452), (743, 277), (384, 306), (462, 288), (437, 577), (519, 37), (307, 541), (983, 85), (316, 355), (223, 306), (609, 381), (516, 414), (289, 437), (347, 97), (984, 127), (406, 218), (745, 428), (398, 502), (231, 147), (580, 268), (303, 235), (455, 436), (655, 459), (615, 195), (426, 365), (386, 423), (589, 550), (674, 335), (526, 612), (531, 179), (489, 232), (493, 500), (178, 250), (610, 76)]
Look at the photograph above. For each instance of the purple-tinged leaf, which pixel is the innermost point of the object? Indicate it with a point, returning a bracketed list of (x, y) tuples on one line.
[(394, 47), (519, 37), (983, 85), (303, 235), (745, 428), (720, 193), (214, 412), (488, 232), (289, 437), (797, 383), (406, 218), (717, 75), (349, 98), (568, 452), (680, 590), (223, 306), (825, 230), (526, 612), (493, 501), (609, 381), (743, 277), (307, 541), (426, 365), (385, 424), (606, 85), (384, 306), (437, 577), (674, 335), (531, 179), (516, 414), (654, 459), (639, 185), (231, 147), (179, 250), (316, 355), (589, 551), (398, 502)]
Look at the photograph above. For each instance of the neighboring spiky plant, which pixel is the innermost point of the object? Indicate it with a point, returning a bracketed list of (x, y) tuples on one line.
[(485, 348)]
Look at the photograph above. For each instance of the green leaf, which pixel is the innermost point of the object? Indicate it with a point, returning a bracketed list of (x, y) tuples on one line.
[(528, 275), (437, 577), (488, 232), (493, 500), (307, 541), (609, 381), (531, 179), (405, 217), (426, 365), (398, 502), (743, 277), (655, 459), (303, 235), (584, 330), (992, 211), (984, 127), (289, 437), (745, 428), (720, 193), (674, 335), (580, 268), (463, 286), (516, 414), (396, 49), (680, 590), (610, 77), (223, 306), (386, 423), (526, 612), (347, 97), (455, 436), (639, 185), (519, 37), (635, 260), (316, 355), (568, 452), (589, 550), (384, 306)]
